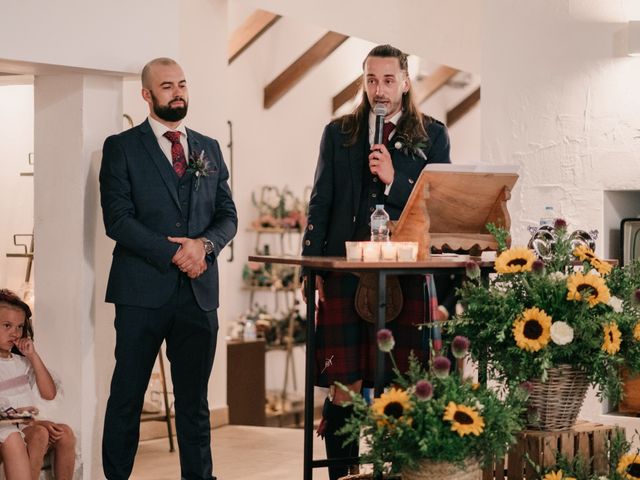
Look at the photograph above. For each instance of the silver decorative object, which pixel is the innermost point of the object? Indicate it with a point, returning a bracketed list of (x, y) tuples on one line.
[(543, 240)]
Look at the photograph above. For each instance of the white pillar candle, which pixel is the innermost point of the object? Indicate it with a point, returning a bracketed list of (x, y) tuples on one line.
[(388, 251), (371, 251)]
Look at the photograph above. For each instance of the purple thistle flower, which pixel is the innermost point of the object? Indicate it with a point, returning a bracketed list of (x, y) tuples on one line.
[(472, 270), (560, 224), (635, 297), (441, 367), (424, 390), (460, 346), (386, 341), (538, 267)]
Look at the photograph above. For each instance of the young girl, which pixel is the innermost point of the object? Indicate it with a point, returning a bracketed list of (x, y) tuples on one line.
[(23, 445)]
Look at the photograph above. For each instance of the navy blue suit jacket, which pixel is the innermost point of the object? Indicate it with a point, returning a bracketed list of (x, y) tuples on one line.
[(141, 208), (336, 195)]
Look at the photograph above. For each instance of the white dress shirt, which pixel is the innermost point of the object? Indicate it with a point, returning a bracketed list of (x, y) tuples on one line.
[(165, 144)]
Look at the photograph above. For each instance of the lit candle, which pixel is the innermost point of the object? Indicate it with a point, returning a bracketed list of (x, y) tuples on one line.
[(371, 251), (388, 251), (354, 250)]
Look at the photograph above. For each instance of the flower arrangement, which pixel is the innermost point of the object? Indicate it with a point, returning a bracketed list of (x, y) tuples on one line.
[(433, 415), (279, 209), (570, 309), (200, 166)]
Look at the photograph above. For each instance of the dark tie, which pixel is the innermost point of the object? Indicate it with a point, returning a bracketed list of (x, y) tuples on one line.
[(177, 153), (387, 128)]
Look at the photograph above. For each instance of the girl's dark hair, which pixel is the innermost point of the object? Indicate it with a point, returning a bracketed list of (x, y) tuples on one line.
[(11, 300), (411, 124)]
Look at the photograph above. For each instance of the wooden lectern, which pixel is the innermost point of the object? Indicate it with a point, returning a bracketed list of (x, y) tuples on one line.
[(451, 205)]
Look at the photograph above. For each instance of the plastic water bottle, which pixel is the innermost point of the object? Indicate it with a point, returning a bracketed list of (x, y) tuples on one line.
[(548, 217), (250, 332), (379, 225)]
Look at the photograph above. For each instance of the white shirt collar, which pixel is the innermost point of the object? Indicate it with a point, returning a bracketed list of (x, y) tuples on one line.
[(159, 129), (372, 124)]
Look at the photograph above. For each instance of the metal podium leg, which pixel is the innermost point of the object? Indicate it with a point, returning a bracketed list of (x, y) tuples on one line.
[(382, 307), (309, 375)]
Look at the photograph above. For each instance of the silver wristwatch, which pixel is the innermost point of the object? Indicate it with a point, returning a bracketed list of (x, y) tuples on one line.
[(208, 245)]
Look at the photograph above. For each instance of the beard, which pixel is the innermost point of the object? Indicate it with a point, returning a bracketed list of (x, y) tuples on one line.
[(167, 112)]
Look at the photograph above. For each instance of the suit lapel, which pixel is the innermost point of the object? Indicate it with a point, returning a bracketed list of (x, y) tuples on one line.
[(357, 158), (153, 149), (194, 149)]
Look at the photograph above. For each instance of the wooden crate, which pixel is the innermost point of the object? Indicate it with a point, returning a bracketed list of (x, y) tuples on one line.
[(587, 439)]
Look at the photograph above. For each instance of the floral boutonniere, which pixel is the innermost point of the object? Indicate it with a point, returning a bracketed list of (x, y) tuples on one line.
[(199, 165), (410, 149)]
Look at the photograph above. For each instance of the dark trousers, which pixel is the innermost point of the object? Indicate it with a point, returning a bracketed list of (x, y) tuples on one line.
[(190, 334)]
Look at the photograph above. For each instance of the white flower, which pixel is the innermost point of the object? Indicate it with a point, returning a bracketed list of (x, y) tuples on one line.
[(558, 276), (561, 333), (397, 145), (459, 309), (616, 304)]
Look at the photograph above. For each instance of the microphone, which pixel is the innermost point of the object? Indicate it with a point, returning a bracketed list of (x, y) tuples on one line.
[(380, 111)]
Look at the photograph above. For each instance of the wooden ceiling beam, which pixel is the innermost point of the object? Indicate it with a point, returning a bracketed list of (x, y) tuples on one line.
[(346, 94), (294, 72), (248, 32), (430, 84), (459, 111)]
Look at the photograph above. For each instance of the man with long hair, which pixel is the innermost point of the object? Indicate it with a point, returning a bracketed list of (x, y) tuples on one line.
[(352, 176)]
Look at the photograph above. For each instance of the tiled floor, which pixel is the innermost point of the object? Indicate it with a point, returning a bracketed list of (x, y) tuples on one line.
[(239, 453)]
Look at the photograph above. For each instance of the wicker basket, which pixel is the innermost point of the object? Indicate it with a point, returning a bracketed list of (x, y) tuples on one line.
[(557, 402), (444, 471)]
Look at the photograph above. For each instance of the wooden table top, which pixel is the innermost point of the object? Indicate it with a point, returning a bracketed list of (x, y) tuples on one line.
[(341, 263)]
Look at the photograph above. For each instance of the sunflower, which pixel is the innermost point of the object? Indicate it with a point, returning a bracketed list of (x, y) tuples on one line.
[(556, 476), (629, 466), (636, 332), (464, 420), (519, 259), (612, 336), (532, 329), (393, 403), (589, 287), (585, 254)]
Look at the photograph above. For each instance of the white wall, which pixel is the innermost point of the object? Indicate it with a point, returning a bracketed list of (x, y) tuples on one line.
[(16, 142), (87, 34)]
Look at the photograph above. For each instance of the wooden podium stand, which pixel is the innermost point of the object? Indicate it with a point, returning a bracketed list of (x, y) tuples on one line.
[(451, 205)]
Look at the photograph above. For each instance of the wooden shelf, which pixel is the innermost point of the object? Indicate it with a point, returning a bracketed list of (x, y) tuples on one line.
[(274, 230)]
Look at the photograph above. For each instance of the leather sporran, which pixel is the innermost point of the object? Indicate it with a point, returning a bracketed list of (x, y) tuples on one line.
[(367, 297)]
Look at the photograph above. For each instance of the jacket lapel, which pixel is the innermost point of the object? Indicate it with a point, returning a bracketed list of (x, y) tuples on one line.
[(153, 149), (357, 158), (194, 149)]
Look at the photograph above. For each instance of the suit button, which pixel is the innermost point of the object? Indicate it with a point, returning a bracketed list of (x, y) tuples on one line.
[(310, 227), (375, 179), (178, 224), (371, 209), (411, 181), (307, 243), (374, 195)]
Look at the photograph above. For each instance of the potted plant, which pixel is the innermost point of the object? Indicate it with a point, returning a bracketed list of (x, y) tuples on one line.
[(560, 325), (434, 424)]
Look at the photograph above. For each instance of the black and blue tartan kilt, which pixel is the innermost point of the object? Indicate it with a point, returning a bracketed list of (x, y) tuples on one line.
[(346, 344)]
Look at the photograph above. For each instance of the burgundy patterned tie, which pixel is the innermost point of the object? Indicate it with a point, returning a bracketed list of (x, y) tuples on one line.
[(177, 153), (387, 128)]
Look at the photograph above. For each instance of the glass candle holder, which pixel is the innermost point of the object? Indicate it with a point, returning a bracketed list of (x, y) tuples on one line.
[(371, 251), (388, 251), (407, 251), (354, 250)]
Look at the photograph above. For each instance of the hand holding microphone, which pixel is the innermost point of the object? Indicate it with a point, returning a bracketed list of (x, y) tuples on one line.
[(379, 159)]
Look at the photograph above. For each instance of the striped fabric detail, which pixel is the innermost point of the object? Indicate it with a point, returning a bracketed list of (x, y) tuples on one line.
[(14, 383)]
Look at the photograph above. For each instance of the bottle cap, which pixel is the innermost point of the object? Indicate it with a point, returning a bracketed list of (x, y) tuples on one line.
[(380, 206)]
